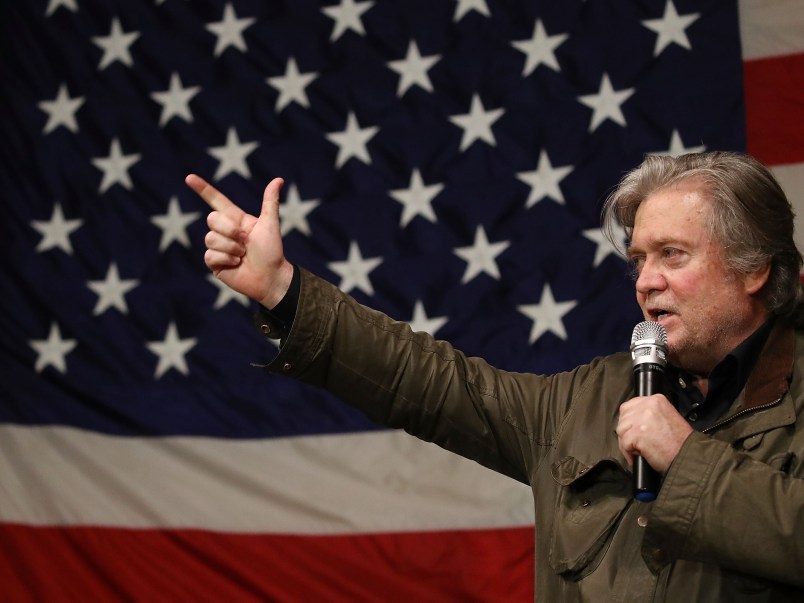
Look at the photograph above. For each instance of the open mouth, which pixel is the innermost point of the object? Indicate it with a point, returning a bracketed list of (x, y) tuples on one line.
[(658, 314)]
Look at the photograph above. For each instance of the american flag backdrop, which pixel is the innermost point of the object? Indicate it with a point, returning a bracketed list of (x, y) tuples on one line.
[(445, 161)]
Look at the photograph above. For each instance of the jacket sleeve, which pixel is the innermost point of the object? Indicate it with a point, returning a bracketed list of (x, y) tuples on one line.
[(721, 506), (409, 380)]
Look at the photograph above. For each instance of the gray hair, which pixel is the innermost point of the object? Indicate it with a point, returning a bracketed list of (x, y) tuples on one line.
[(751, 217)]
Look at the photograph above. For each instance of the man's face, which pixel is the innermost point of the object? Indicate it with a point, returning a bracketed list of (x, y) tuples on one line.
[(684, 283)]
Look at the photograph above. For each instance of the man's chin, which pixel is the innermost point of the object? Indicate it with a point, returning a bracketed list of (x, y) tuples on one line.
[(675, 349)]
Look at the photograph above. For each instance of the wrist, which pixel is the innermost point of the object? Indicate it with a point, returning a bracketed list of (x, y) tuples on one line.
[(279, 286)]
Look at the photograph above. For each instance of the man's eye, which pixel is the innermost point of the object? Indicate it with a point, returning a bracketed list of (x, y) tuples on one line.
[(636, 266)]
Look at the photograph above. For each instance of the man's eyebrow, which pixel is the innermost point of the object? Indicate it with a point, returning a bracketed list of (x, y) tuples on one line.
[(657, 243), (632, 250)]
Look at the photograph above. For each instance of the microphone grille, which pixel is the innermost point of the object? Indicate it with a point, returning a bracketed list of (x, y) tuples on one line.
[(650, 330)]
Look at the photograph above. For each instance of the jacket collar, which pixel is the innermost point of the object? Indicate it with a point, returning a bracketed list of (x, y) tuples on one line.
[(771, 376), (766, 386)]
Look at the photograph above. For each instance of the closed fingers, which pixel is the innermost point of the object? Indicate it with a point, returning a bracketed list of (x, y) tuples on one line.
[(219, 242), (217, 260)]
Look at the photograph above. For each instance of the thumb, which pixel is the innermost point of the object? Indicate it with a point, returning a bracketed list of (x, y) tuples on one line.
[(270, 200)]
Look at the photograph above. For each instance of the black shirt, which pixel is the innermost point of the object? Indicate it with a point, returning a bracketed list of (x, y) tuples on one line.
[(726, 381)]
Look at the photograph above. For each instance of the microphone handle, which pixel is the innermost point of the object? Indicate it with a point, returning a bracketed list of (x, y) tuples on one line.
[(648, 380)]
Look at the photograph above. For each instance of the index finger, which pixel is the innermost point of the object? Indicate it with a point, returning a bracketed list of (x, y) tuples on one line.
[(211, 195)]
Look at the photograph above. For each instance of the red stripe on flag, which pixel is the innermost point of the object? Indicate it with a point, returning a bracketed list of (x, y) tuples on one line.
[(104, 564), (774, 107)]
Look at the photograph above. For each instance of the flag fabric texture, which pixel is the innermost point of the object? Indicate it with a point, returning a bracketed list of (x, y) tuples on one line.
[(445, 162)]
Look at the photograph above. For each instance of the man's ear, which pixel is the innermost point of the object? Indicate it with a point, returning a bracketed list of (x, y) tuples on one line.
[(754, 281)]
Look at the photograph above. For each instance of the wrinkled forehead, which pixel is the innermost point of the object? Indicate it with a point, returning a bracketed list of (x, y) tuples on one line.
[(681, 212), (629, 204), (686, 199)]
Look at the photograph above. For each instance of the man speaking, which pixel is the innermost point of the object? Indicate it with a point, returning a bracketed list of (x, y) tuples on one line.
[(711, 242)]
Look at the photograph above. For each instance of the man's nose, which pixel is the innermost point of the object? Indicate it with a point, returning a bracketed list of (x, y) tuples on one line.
[(650, 278)]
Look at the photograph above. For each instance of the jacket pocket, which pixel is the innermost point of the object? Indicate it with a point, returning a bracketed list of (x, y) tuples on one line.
[(590, 504)]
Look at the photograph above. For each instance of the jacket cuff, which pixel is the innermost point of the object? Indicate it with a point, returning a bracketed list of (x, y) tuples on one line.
[(302, 351), (277, 322)]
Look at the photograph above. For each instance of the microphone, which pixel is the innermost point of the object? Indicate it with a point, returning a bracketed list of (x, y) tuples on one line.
[(649, 357)]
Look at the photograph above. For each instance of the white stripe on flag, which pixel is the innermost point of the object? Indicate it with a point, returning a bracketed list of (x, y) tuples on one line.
[(771, 27), (335, 484)]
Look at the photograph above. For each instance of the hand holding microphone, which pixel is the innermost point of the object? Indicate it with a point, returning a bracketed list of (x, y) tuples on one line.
[(650, 429)]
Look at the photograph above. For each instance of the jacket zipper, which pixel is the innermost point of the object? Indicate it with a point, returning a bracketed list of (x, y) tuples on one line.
[(741, 413)]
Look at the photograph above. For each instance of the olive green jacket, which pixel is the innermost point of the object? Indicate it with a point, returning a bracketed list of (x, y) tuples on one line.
[(728, 524)]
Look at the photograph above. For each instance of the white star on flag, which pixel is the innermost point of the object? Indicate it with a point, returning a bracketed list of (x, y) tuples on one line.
[(540, 49), (604, 248), (354, 270), (111, 291), (56, 231), (232, 156), (417, 199), (174, 224), (413, 70), (481, 256), (464, 6), (671, 28), (347, 16), (230, 30), (175, 100), (61, 111), (291, 86), (52, 350), (115, 167), (544, 180), (352, 141), (52, 5), (171, 351), (547, 315), (477, 123), (293, 212), (606, 103), (115, 46), (226, 294), (421, 322), (677, 146)]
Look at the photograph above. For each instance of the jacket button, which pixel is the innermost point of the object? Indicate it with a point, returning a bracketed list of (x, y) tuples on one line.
[(265, 328), (642, 521), (658, 555), (586, 502), (287, 366)]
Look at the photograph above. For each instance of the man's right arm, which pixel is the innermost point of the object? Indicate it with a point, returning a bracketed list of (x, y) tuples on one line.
[(409, 380)]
